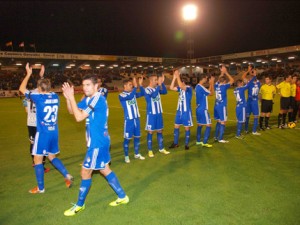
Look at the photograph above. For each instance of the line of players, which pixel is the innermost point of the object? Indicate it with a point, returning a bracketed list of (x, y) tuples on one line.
[(94, 110), (244, 108)]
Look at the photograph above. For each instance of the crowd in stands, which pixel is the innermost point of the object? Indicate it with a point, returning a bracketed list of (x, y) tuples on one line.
[(10, 80)]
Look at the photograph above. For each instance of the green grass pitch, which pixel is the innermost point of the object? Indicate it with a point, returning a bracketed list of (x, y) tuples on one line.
[(250, 181)]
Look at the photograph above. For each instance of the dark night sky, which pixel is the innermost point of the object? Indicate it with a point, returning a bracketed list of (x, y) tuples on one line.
[(148, 28)]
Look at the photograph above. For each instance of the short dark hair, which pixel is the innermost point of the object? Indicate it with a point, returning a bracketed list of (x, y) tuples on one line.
[(126, 81), (268, 76), (239, 81), (91, 77), (202, 76)]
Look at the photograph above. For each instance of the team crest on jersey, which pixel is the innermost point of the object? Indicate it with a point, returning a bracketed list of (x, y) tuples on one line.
[(102, 164), (88, 159), (131, 102), (44, 152), (156, 99)]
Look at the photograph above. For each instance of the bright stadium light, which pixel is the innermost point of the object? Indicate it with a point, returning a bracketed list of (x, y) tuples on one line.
[(291, 57), (189, 12)]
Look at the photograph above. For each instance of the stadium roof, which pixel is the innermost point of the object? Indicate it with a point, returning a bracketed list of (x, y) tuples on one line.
[(61, 61)]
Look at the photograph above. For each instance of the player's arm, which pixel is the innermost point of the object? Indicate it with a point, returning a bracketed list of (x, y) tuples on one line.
[(23, 85), (245, 74), (180, 83), (172, 86), (69, 107), (142, 90), (162, 89), (68, 92), (211, 85), (231, 80)]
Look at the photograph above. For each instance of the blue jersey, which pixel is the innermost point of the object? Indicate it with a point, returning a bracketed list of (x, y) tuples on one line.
[(253, 90), (201, 97), (103, 91), (184, 99), (96, 107), (129, 104), (152, 96), (221, 93), (81, 105), (239, 93), (46, 110)]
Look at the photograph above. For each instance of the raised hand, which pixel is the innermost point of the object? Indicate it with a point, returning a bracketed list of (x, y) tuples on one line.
[(212, 80), (141, 81), (42, 71), (223, 69), (134, 82), (68, 90), (28, 69)]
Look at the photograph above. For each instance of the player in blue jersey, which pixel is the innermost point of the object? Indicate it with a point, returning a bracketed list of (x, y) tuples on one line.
[(97, 155), (131, 116), (252, 102), (184, 110), (239, 93), (31, 120), (154, 121), (101, 89), (81, 105), (202, 114), (220, 109), (46, 138)]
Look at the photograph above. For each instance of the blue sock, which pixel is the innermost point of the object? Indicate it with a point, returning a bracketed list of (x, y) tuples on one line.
[(176, 135), (59, 166), (136, 142), (222, 129), (126, 146), (160, 141), (149, 141), (247, 123), (199, 129), (115, 185), (39, 174), (255, 124), (187, 137), (217, 130), (83, 191), (206, 134), (239, 129)]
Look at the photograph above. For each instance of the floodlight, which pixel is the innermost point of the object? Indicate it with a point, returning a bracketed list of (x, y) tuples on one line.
[(189, 12)]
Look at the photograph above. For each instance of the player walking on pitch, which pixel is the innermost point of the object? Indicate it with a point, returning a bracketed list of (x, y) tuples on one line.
[(97, 155), (46, 138)]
